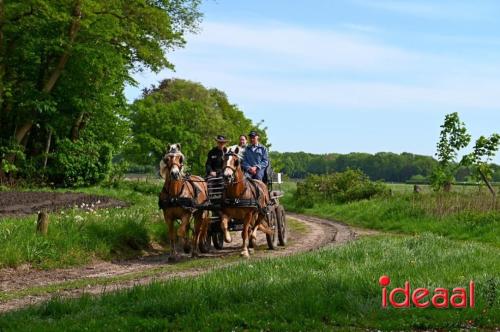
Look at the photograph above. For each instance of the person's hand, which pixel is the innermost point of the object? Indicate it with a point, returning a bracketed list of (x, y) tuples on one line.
[(213, 174), (253, 170)]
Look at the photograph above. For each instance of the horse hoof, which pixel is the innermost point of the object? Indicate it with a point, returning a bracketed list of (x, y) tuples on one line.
[(250, 250), (227, 237), (245, 254)]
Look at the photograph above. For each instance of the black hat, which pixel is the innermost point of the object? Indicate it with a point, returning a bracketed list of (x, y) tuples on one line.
[(221, 138), (253, 133)]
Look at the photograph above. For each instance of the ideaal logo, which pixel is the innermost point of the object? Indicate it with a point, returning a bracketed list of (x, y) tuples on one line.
[(423, 297)]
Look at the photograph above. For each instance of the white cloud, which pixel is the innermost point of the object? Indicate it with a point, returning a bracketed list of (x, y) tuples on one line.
[(310, 47), (280, 64)]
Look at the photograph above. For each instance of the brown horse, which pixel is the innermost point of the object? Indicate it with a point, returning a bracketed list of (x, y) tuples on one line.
[(252, 193), (180, 198)]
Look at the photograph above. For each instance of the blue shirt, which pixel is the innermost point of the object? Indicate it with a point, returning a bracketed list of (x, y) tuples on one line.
[(255, 155)]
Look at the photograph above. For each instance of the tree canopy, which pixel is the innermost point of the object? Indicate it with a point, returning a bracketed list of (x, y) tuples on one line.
[(181, 111), (63, 68)]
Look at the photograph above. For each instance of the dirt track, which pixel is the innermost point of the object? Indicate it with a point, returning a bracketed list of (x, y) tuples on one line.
[(20, 203), (319, 233)]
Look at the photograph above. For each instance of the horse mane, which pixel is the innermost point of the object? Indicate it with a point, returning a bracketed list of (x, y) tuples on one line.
[(231, 149), (172, 150)]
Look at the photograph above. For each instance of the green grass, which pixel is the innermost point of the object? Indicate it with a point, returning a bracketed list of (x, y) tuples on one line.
[(76, 236), (319, 290), (461, 216), (458, 188)]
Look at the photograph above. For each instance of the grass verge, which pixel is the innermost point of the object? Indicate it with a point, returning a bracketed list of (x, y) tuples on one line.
[(456, 215), (311, 291)]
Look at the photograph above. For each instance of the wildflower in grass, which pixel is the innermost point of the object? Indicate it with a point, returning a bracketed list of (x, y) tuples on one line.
[(79, 218)]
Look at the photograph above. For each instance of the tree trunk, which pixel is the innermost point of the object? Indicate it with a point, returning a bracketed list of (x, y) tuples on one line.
[(22, 131), (75, 130), (488, 184), (56, 73), (2, 60), (75, 26), (47, 149)]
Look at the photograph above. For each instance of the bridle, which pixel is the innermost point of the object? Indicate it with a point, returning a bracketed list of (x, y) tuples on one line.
[(172, 162), (234, 169)]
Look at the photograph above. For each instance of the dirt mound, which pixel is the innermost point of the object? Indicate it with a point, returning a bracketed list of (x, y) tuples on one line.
[(15, 203)]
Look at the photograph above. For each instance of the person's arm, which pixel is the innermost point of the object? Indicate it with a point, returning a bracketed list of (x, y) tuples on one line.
[(265, 159), (208, 166), (244, 163)]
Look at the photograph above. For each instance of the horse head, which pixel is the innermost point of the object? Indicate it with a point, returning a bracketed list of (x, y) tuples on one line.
[(172, 163), (231, 164)]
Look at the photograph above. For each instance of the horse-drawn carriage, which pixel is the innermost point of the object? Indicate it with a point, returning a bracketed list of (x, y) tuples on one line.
[(220, 204), (276, 218)]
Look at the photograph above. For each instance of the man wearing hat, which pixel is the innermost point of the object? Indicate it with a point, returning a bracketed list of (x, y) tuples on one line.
[(213, 166), (255, 160)]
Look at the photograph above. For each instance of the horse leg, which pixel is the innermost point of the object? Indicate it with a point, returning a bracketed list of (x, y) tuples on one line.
[(250, 232), (199, 219), (224, 221), (169, 221), (264, 227), (244, 235), (182, 232), (257, 222)]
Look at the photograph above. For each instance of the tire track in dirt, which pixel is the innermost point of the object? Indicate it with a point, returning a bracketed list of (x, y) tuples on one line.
[(320, 233)]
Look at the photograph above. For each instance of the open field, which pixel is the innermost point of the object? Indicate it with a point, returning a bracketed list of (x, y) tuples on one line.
[(457, 215)]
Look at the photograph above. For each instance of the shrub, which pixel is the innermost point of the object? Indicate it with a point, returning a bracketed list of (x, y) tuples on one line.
[(350, 185), (80, 163), (417, 179)]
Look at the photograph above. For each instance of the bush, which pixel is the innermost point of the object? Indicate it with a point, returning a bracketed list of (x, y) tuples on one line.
[(417, 179), (80, 163), (141, 169), (342, 187)]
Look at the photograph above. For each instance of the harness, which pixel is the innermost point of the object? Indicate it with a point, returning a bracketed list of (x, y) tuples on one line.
[(183, 202), (247, 203)]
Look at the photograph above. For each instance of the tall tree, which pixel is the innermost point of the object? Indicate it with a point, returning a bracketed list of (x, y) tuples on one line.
[(180, 111), (64, 64)]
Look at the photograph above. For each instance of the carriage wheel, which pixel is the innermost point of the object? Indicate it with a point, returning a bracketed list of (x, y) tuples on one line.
[(204, 244), (218, 239), (272, 240), (282, 227)]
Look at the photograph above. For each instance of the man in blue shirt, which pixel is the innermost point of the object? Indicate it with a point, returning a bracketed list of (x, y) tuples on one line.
[(255, 159)]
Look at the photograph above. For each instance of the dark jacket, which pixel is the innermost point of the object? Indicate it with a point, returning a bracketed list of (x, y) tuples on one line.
[(214, 161)]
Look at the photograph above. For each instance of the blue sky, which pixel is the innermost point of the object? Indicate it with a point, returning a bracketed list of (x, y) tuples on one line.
[(349, 75)]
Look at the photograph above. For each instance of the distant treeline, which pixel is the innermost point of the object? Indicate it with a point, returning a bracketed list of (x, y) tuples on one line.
[(385, 166)]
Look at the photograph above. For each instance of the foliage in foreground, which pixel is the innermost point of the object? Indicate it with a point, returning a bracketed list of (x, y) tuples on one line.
[(311, 291), (63, 66)]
